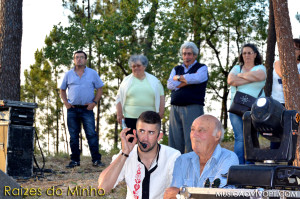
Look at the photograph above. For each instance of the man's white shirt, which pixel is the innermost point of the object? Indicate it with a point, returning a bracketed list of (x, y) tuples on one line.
[(134, 171)]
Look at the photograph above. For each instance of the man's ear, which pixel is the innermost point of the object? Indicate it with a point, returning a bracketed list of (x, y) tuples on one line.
[(218, 135), (160, 135)]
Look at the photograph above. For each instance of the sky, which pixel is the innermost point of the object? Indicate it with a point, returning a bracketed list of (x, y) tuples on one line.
[(39, 17)]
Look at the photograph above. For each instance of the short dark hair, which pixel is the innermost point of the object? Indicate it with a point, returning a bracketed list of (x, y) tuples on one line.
[(80, 51), (150, 117), (258, 59)]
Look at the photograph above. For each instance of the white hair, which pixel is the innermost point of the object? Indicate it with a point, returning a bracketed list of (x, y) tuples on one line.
[(218, 128), (190, 45)]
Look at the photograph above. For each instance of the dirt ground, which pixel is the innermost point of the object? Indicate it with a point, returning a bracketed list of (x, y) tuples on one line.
[(59, 182)]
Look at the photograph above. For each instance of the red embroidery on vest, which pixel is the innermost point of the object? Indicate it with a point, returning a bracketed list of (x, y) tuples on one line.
[(137, 182)]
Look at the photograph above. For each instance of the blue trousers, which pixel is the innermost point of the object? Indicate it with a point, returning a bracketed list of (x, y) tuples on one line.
[(181, 120), (76, 117), (237, 125)]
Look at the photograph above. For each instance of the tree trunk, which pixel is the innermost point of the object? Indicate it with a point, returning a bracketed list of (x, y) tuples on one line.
[(10, 48), (290, 79), (150, 21), (65, 128), (271, 43), (196, 26), (224, 113), (57, 117)]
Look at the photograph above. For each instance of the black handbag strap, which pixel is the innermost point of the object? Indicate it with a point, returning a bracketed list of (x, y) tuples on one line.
[(260, 90)]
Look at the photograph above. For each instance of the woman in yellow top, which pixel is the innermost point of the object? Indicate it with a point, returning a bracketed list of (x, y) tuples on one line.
[(139, 92)]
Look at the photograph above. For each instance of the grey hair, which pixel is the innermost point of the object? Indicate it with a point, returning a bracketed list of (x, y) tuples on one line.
[(219, 127), (135, 58), (191, 45)]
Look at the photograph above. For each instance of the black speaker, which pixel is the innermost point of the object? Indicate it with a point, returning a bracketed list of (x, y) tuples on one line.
[(21, 116), (20, 151), (16, 137)]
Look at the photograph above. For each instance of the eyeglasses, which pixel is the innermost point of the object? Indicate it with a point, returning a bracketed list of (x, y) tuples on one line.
[(80, 57), (248, 53), (189, 54), (136, 65), (216, 183)]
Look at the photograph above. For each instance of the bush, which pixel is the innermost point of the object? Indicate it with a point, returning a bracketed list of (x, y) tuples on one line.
[(228, 136)]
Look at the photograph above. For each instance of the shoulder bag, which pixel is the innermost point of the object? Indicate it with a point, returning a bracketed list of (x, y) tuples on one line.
[(242, 102)]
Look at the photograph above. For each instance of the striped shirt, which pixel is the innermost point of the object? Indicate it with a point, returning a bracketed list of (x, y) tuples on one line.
[(194, 78)]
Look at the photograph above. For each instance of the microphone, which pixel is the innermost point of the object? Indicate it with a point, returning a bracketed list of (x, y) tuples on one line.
[(144, 145)]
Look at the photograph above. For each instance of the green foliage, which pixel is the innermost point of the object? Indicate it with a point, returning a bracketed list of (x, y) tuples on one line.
[(228, 136), (164, 140), (114, 30)]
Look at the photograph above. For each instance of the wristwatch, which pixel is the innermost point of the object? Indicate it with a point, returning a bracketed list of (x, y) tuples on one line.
[(95, 102), (178, 77)]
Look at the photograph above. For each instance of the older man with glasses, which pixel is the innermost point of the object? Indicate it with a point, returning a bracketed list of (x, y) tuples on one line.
[(188, 85)]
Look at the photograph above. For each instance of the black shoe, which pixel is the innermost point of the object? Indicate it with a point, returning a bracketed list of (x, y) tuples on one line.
[(98, 163), (73, 164)]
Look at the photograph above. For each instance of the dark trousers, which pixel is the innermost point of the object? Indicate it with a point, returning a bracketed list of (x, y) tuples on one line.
[(76, 117)]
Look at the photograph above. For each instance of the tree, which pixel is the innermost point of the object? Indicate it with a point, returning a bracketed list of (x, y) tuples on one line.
[(290, 80), (10, 48), (40, 88), (220, 28), (271, 43), (117, 29)]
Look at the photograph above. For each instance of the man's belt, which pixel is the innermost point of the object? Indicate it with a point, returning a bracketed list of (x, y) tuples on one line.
[(80, 106)]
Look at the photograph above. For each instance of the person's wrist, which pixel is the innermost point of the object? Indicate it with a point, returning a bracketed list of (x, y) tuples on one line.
[(95, 102), (178, 77), (125, 154)]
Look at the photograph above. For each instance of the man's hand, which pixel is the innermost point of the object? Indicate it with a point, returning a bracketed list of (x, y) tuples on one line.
[(175, 78), (68, 105), (109, 176), (90, 106), (182, 84), (171, 193), (181, 78), (126, 145)]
